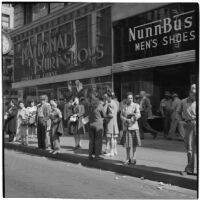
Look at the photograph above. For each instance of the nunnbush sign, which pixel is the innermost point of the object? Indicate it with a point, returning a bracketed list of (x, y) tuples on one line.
[(165, 30)]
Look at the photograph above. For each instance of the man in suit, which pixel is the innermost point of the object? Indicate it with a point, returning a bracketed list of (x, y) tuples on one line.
[(145, 109), (174, 119), (43, 123), (112, 130), (166, 111)]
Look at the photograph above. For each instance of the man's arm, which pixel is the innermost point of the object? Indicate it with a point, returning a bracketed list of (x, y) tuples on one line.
[(137, 112), (179, 110)]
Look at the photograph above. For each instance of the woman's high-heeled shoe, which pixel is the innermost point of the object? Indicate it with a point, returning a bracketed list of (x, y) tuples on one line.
[(127, 162), (133, 162)]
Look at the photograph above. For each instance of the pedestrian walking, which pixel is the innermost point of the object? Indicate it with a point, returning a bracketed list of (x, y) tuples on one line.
[(22, 123), (104, 103), (43, 123), (96, 117), (130, 115), (11, 120), (56, 128), (76, 125), (122, 129), (174, 118), (187, 128), (166, 110), (112, 130), (68, 113), (145, 109), (32, 109), (61, 105), (114, 98)]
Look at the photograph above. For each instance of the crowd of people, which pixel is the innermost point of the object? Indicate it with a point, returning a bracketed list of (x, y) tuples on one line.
[(102, 116)]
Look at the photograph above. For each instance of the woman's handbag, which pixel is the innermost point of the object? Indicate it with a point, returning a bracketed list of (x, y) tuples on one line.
[(24, 122), (60, 129), (73, 118), (31, 120), (85, 120)]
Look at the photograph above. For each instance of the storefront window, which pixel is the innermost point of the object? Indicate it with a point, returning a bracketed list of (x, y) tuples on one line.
[(30, 94), (85, 88)]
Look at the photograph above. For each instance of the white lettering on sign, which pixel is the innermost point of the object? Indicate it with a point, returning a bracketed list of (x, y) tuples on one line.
[(48, 55), (156, 28)]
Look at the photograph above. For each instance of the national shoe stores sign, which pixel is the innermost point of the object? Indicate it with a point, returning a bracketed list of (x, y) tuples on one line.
[(165, 30), (73, 46)]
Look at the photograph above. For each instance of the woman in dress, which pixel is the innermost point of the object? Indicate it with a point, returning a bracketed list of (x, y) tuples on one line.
[(76, 125), (22, 123), (130, 115), (32, 119), (56, 128)]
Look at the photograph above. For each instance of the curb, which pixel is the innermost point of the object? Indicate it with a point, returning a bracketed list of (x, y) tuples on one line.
[(110, 165)]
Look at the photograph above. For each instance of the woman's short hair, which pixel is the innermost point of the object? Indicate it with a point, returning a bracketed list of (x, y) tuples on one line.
[(31, 101), (21, 102), (109, 93), (13, 101), (129, 93)]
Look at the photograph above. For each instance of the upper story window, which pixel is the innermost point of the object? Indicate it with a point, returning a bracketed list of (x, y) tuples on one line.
[(27, 13), (8, 5), (40, 10), (5, 21), (34, 11)]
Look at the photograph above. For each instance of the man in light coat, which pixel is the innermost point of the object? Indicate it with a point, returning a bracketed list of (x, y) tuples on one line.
[(43, 123), (187, 128)]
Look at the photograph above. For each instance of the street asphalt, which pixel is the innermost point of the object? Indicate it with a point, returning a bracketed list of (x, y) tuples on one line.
[(29, 176), (157, 160)]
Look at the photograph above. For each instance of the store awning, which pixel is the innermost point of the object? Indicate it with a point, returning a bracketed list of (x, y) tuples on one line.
[(164, 60), (102, 71)]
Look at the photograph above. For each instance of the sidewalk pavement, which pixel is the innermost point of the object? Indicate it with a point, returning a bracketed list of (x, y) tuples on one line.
[(158, 160)]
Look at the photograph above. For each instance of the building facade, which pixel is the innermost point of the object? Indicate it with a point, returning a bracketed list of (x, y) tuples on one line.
[(64, 47), (155, 49), (7, 23)]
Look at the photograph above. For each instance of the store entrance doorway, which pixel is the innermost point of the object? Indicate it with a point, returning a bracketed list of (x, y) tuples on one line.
[(173, 79)]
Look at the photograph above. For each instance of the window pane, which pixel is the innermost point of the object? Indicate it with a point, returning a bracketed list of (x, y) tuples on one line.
[(40, 10), (5, 18), (5, 24), (27, 13)]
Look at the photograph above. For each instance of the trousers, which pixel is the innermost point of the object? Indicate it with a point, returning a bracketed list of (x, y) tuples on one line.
[(173, 125), (95, 140), (167, 122), (42, 134), (188, 132), (54, 138), (144, 125)]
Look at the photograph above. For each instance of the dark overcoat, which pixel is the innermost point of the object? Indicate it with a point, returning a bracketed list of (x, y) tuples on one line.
[(11, 122)]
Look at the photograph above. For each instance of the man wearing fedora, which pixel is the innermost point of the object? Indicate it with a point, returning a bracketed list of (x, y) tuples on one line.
[(43, 123), (165, 109), (187, 127), (174, 118)]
